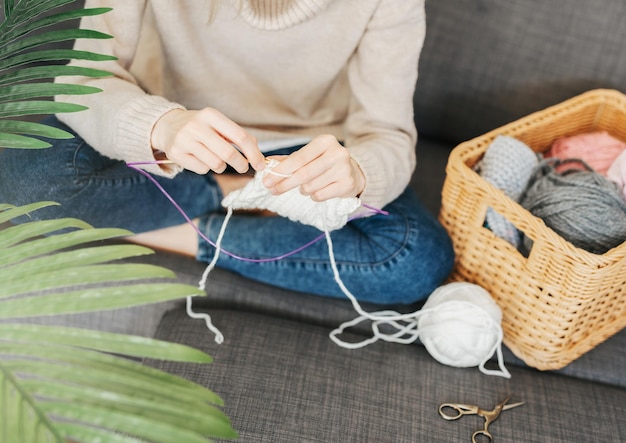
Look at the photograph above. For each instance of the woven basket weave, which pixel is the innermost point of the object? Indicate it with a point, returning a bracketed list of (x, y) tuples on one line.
[(561, 301)]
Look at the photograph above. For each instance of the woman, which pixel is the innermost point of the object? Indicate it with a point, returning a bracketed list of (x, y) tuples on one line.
[(214, 89)]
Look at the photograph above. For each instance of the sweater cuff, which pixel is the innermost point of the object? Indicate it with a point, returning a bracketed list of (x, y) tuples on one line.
[(136, 121), (375, 189)]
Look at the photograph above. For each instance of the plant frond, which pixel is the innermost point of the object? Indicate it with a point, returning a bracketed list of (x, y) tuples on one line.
[(32, 128), (51, 55), (151, 430), (86, 340), (21, 419), (103, 273), (145, 380), (50, 37), (16, 253), (60, 375), (63, 384), (102, 298), (111, 384), (24, 18), (9, 212), (28, 250), (48, 72), (66, 380), (32, 230), (36, 107), (21, 142), (40, 90), (78, 257)]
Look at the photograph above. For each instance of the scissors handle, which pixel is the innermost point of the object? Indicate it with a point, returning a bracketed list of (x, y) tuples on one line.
[(459, 410), (483, 432)]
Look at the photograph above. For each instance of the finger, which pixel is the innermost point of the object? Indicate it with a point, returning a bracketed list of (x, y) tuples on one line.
[(283, 183), (318, 182), (333, 190), (216, 144), (301, 167), (328, 186), (200, 160), (235, 134), (300, 158)]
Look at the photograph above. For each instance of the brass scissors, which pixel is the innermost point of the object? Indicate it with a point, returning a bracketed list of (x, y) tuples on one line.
[(490, 416)]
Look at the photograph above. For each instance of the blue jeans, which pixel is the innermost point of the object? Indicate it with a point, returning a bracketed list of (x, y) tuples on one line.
[(398, 258)]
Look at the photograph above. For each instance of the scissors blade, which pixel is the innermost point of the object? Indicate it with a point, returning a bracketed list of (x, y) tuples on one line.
[(512, 405)]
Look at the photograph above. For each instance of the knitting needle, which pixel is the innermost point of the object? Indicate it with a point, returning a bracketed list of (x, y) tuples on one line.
[(171, 162)]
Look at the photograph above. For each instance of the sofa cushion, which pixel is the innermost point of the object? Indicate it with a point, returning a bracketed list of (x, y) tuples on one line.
[(285, 381), (226, 290), (430, 172), (488, 62)]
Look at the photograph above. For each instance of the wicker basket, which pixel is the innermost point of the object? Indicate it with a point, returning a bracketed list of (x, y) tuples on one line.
[(561, 301)]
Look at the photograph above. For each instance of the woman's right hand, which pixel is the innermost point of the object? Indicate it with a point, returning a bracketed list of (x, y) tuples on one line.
[(203, 140)]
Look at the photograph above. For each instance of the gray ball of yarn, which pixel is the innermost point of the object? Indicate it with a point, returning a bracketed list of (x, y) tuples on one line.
[(507, 164), (582, 206)]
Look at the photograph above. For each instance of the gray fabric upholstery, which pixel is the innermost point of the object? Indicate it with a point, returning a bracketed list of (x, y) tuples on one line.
[(225, 290), (430, 172), (285, 381), (488, 62)]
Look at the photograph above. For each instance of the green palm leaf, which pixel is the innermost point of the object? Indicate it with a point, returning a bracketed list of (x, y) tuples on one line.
[(59, 384), (34, 107), (47, 72), (32, 128), (50, 37), (22, 50), (51, 55), (62, 384), (39, 90)]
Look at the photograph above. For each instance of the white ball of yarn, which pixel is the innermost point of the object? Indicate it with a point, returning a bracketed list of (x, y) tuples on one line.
[(460, 325)]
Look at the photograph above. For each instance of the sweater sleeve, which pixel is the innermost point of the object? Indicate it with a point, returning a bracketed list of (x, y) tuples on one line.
[(119, 120), (380, 131)]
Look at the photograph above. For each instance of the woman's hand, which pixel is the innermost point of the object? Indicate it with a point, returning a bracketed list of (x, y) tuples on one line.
[(203, 140), (323, 169)]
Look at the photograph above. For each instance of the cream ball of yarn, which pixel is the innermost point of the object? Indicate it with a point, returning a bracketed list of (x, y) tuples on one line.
[(460, 325)]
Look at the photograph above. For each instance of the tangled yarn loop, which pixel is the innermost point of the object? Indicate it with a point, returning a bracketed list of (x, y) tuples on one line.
[(459, 325), (582, 206)]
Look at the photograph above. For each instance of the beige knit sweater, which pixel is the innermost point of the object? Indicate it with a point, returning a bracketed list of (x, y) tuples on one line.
[(279, 68)]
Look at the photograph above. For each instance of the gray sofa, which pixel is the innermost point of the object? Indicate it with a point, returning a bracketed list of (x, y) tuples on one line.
[(485, 63)]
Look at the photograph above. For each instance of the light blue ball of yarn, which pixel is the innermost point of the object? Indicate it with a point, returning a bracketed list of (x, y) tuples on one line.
[(507, 164), (582, 206)]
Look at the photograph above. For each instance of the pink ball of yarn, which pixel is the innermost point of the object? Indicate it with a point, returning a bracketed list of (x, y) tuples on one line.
[(617, 172), (598, 149)]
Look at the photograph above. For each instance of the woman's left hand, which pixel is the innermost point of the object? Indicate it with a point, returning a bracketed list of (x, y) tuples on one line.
[(322, 169)]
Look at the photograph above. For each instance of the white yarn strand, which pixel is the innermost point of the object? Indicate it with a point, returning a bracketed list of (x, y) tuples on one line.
[(464, 330), (410, 331), (219, 337)]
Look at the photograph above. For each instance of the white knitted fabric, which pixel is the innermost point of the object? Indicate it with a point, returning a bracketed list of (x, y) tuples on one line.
[(328, 215)]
